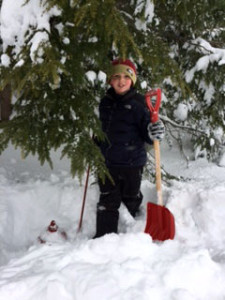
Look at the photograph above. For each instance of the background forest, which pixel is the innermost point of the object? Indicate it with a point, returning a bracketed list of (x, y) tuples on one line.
[(55, 59)]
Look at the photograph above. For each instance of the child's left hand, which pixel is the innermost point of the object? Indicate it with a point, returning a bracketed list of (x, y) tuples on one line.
[(156, 130)]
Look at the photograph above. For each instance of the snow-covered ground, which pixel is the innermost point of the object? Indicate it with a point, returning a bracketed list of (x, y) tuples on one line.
[(127, 266)]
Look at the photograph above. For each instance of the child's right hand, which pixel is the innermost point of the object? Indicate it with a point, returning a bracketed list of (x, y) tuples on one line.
[(156, 131)]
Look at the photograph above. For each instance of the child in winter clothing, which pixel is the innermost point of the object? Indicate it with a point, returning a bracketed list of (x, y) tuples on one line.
[(126, 123)]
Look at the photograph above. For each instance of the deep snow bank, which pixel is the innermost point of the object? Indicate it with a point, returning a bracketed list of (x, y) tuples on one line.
[(126, 266)]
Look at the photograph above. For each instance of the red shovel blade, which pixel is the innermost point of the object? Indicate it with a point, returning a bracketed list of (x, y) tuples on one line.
[(160, 222)]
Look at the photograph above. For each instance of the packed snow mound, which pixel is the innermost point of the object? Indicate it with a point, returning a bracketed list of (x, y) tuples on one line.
[(127, 266)]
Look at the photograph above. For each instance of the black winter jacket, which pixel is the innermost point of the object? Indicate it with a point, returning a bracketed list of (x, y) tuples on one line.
[(124, 121)]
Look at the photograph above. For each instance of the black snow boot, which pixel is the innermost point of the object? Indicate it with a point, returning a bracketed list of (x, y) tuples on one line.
[(107, 222)]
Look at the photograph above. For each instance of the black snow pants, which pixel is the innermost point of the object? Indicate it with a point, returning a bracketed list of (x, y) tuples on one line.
[(126, 189)]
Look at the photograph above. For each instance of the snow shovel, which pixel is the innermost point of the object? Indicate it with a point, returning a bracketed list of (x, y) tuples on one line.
[(160, 221)]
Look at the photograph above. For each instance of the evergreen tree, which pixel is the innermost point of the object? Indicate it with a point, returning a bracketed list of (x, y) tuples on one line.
[(59, 80), (195, 33)]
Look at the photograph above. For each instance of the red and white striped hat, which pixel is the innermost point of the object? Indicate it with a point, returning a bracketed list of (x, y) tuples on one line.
[(124, 66)]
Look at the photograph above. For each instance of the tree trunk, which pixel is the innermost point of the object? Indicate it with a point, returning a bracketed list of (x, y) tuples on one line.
[(5, 103)]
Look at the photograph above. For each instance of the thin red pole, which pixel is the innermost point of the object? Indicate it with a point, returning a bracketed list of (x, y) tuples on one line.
[(84, 199)]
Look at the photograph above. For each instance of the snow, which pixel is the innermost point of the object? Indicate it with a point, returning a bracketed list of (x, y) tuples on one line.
[(91, 76), (5, 60), (209, 91), (181, 112), (144, 84), (102, 77), (222, 160), (148, 8), (127, 266), (210, 55), (17, 19)]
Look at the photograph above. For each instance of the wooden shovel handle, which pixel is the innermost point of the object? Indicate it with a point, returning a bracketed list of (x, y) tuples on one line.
[(158, 172)]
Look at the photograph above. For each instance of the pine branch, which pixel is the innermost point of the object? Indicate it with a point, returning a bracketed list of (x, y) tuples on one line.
[(183, 127)]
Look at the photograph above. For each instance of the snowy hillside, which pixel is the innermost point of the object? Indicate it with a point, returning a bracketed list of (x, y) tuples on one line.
[(126, 266)]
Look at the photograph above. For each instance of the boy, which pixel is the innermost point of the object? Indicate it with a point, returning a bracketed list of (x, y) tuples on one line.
[(126, 123)]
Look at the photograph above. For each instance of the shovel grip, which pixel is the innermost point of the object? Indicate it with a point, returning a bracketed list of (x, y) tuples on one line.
[(154, 109)]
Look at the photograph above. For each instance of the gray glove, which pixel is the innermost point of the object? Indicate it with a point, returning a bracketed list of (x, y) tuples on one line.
[(156, 131)]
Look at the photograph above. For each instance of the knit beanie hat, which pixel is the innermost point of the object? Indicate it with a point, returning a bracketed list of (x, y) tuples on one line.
[(124, 66)]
